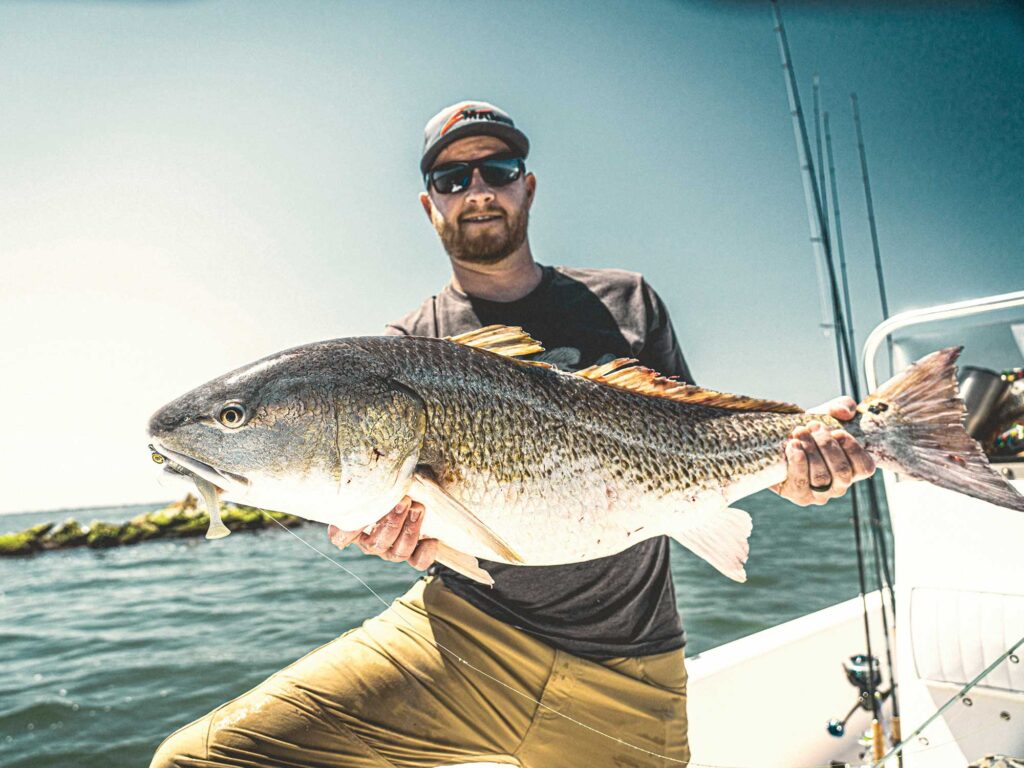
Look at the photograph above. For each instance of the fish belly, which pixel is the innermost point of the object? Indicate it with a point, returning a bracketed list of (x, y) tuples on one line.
[(552, 525), (565, 520)]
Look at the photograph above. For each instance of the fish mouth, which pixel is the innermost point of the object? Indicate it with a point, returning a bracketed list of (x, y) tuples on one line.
[(183, 464)]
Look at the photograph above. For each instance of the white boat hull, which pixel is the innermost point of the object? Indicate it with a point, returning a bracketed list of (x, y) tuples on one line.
[(960, 598)]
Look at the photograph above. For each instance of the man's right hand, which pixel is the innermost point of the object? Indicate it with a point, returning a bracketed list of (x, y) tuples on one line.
[(395, 537)]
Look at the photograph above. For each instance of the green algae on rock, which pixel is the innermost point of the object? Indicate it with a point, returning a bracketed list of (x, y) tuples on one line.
[(65, 536), (24, 543), (132, 532), (181, 519), (102, 535), (247, 519)]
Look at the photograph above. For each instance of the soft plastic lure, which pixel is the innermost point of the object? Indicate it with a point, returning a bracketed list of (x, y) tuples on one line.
[(208, 491)]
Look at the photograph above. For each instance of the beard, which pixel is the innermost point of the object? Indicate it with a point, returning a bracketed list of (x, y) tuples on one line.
[(463, 243)]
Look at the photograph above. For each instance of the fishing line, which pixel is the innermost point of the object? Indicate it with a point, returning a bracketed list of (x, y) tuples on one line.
[(516, 691), (952, 699), (983, 729)]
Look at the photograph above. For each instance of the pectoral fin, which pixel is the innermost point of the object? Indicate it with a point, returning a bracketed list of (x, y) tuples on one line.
[(440, 503), (720, 537), (462, 563)]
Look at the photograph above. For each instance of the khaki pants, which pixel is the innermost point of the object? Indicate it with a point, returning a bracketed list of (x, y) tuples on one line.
[(381, 695)]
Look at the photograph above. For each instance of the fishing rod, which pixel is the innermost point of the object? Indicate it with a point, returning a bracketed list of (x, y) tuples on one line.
[(810, 190), (884, 300), (824, 222), (877, 735), (871, 221), (875, 506), (838, 229), (812, 197), (815, 216), (845, 345), (877, 528), (816, 88)]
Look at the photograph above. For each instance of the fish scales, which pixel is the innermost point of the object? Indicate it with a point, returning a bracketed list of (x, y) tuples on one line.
[(519, 443)]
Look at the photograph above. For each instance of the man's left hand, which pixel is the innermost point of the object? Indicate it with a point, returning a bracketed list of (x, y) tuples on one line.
[(822, 462)]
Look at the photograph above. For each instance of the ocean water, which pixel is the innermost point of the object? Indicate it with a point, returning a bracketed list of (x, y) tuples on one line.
[(103, 653)]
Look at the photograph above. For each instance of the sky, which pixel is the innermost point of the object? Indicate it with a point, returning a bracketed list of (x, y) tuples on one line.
[(188, 186)]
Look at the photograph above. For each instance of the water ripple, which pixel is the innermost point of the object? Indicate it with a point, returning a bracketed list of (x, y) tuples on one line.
[(106, 652)]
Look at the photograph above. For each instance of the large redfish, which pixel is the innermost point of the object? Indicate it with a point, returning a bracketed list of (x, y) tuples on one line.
[(521, 463)]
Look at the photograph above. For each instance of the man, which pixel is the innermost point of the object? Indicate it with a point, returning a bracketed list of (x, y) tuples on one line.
[(564, 665)]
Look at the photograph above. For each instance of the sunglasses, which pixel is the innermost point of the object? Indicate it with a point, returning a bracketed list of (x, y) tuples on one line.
[(495, 171)]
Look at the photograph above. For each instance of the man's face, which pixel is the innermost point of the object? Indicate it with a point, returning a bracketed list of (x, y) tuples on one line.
[(480, 224)]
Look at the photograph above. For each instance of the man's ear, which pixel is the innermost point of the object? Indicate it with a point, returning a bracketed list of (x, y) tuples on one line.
[(531, 188), (428, 206)]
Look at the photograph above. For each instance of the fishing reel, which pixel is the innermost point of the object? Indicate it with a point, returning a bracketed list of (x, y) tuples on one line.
[(864, 673), (861, 669)]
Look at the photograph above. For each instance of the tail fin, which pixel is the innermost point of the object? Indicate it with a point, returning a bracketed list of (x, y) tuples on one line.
[(914, 423)]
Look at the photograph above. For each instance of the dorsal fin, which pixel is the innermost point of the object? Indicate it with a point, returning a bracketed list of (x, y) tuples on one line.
[(625, 373), (504, 340)]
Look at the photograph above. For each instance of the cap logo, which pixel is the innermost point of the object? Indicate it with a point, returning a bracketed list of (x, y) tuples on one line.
[(470, 112)]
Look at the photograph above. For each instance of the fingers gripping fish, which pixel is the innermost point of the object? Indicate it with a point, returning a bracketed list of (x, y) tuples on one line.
[(521, 463)]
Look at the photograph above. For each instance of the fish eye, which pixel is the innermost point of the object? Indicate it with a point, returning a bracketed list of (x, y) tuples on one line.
[(232, 415)]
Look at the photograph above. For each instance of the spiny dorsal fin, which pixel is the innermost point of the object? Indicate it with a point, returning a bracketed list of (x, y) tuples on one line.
[(625, 373), (504, 340)]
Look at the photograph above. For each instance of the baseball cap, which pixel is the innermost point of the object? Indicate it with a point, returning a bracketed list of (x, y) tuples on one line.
[(469, 118)]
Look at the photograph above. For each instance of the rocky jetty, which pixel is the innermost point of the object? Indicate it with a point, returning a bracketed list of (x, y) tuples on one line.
[(181, 519)]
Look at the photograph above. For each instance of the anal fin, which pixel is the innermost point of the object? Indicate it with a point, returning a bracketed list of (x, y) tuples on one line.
[(720, 537), (462, 563)]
